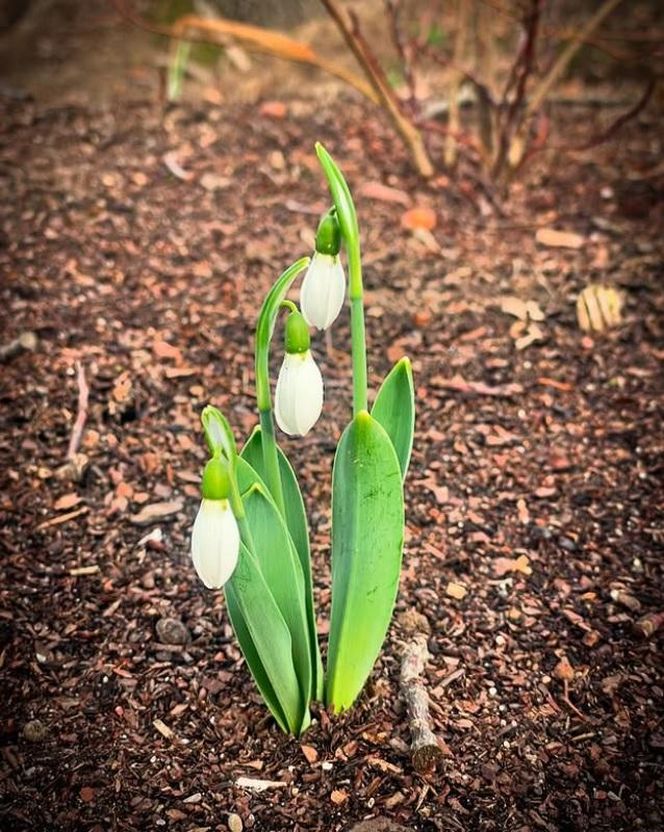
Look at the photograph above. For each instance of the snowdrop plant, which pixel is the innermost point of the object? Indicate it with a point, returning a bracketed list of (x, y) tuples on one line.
[(251, 533)]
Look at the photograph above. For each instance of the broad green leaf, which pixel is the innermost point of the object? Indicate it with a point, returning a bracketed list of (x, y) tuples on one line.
[(394, 408), (367, 541), (282, 571), (296, 520), (265, 641), (252, 658)]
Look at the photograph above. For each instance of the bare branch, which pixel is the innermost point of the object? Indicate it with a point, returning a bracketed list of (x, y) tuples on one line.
[(348, 25)]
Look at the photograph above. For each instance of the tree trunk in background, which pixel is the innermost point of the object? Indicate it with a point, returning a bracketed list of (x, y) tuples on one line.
[(267, 12), (11, 11)]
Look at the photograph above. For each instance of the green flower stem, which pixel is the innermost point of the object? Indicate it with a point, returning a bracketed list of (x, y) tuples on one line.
[(270, 459), (358, 337), (347, 217), (264, 331)]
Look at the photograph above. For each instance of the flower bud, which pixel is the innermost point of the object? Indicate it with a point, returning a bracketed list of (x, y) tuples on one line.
[(298, 399), (215, 539)]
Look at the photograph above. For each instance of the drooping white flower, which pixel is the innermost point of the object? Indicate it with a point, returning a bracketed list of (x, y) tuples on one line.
[(215, 542), (323, 290), (299, 394)]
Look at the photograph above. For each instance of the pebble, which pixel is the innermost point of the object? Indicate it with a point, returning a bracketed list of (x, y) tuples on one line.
[(35, 730), (171, 631), (235, 823), (567, 544)]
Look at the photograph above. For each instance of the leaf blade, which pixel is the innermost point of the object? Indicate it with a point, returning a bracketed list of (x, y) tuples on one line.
[(367, 541), (394, 408), (282, 572), (296, 521), (270, 642)]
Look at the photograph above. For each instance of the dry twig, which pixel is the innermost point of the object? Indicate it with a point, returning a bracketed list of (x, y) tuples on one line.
[(348, 25), (425, 750), (81, 415)]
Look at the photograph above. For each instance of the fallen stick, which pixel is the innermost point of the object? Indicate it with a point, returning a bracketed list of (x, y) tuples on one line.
[(425, 750), (82, 414), (26, 342)]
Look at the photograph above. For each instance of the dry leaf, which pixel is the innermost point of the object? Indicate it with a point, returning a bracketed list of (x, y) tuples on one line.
[(598, 308), (422, 218), (122, 388), (512, 305), (502, 566), (156, 511), (273, 109), (67, 501), (564, 670), (532, 334), (162, 349), (376, 190), (558, 239), (310, 753), (339, 796)]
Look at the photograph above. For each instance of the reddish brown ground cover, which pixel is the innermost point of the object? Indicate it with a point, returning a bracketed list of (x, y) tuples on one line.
[(537, 490)]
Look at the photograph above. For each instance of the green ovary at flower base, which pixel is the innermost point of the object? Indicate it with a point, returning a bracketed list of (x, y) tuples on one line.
[(252, 514)]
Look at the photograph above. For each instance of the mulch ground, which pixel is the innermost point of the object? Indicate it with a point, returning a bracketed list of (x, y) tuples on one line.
[(137, 245)]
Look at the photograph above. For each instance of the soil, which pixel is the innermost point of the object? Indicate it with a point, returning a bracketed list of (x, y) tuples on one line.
[(137, 245)]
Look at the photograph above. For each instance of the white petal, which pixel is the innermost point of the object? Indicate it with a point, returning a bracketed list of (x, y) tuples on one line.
[(298, 399), (323, 290), (215, 543)]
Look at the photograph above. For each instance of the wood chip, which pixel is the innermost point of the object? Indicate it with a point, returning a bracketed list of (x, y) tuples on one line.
[(156, 511), (163, 729), (256, 785), (558, 239), (457, 591), (338, 797), (310, 753)]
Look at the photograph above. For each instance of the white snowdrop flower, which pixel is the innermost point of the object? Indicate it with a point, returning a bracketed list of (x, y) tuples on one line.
[(298, 398), (324, 284), (323, 290), (215, 539)]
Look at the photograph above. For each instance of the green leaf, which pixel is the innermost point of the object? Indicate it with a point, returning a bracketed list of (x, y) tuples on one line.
[(282, 571), (265, 641), (177, 67), (252, 657), (367, 541), (394, 408), (296, 520)]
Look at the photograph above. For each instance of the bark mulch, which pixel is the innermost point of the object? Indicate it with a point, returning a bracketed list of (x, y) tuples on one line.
[(137, 245)]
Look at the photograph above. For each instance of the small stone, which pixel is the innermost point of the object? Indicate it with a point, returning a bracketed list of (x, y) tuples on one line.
[(235, 823), (35, 730), (567, 544), (171, 631)]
